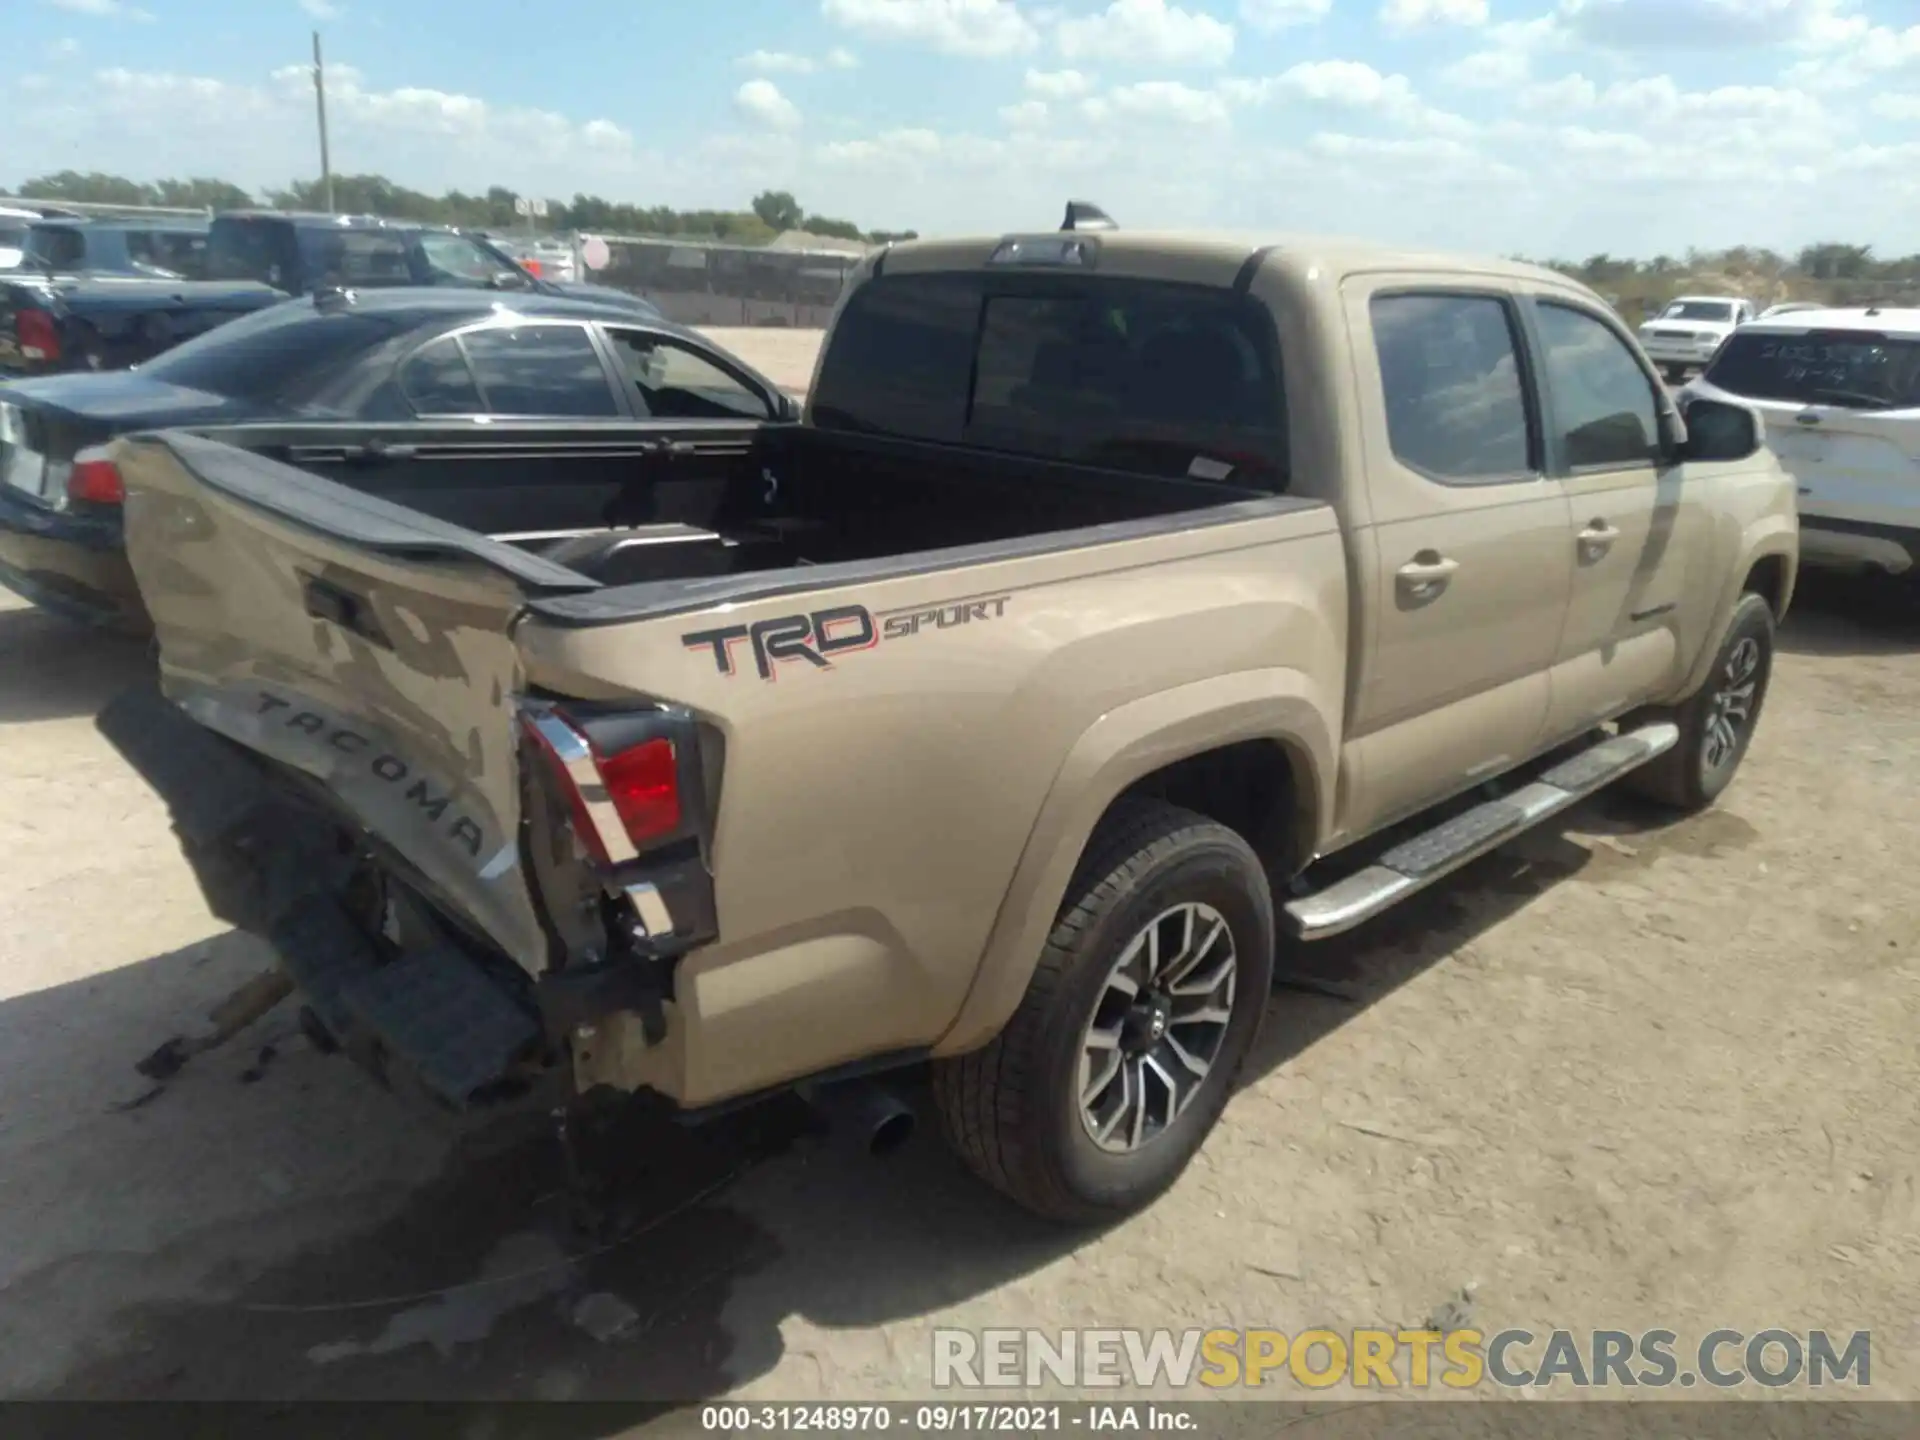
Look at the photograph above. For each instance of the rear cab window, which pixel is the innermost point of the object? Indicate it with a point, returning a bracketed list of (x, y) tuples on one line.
[(1145, 376), (1850, 369)]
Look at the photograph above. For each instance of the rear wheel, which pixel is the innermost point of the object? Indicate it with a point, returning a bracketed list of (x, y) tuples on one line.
[(1125, 1049), (1717, 724)]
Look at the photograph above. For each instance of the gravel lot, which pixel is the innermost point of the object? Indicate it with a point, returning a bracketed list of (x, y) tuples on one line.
[(1618, 1074)]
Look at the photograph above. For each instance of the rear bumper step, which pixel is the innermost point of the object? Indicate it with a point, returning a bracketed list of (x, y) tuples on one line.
[(1416, 863), (433, 1014)]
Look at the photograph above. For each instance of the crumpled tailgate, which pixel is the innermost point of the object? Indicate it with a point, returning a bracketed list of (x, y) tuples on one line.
[(356, 642)]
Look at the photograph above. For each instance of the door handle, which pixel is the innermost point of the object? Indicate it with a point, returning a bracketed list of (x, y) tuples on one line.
[(1426, 575), (1597, 539)]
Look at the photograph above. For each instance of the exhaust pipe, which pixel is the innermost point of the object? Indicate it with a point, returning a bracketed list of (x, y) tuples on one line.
[(862, 1113)]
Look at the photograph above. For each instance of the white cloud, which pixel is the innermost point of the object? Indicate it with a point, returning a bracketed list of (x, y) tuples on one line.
[(1142, 32), (1896, 107), (773, 61), (1569, 92), (1026, 115), (1845, 58), (980, 28), (786, 62), (1715, 24), (323, 9), (761, 102), (1058, 84), (1162, 100), (63, 49), (103, 9), (1400, 16), (1279, 14)]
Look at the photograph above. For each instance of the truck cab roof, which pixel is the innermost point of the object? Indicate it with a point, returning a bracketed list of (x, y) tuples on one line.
[(1195, 257)]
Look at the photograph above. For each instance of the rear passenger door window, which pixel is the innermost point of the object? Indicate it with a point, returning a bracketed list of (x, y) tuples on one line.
[(671, 381), (541, 370), (1455, 393), (1603, 404), (438, 381)]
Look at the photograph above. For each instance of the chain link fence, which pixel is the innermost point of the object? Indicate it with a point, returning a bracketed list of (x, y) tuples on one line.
[(702, 283)]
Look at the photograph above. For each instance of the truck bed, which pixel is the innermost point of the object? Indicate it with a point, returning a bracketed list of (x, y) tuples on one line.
[(944, 628)]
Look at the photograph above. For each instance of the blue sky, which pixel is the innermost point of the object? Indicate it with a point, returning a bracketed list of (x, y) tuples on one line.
[(1558, 127)]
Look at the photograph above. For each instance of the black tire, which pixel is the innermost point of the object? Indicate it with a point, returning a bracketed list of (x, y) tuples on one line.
[(1683, 778), (1012, 1110)]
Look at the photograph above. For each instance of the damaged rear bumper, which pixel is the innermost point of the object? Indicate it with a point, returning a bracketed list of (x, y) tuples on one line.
[(440, 1015)]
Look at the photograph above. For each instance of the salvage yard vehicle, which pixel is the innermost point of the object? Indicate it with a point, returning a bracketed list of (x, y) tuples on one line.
[(447, 366), (1841, 389), (1123, 606), (249, 261), (1683, 337)]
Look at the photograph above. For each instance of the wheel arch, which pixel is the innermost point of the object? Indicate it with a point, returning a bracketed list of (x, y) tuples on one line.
[(1769, 567), (1271, 730)]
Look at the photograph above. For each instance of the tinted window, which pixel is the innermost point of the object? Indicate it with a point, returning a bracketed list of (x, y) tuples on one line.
[(450, 259), (1604, 406), (1698, 310), (1165, 379), (178, 252), (275, 353), (900, 359), (1861, 371), (58, 246), (356, 257), (1450, 376), (243, 249), (673, 382), (438, 382), (540, 370)]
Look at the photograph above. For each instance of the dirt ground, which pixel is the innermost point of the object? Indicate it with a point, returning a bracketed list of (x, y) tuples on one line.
[(1619, 1074)]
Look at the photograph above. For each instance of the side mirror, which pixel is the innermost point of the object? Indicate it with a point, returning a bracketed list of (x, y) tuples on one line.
[(1716, 430)]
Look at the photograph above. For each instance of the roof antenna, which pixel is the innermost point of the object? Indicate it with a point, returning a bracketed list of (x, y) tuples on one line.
[(1085, 215)]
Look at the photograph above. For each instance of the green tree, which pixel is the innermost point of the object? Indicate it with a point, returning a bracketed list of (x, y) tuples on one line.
[(778, 210)]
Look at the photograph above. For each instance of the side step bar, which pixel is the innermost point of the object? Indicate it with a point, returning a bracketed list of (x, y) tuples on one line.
[(1415, 864)]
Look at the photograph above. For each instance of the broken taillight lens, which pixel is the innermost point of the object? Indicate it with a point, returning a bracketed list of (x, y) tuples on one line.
[(619, 803)]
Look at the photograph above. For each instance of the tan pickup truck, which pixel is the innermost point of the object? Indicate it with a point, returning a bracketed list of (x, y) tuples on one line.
[(1125, 606)]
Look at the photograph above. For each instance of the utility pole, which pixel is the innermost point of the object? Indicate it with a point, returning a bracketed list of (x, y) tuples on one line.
[(320, 101)]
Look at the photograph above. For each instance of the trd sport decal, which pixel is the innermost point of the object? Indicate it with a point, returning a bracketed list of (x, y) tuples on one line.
[(841, 630)]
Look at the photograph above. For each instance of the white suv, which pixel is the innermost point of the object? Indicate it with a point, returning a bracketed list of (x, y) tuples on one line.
[(1840, 393), (1684, 336)]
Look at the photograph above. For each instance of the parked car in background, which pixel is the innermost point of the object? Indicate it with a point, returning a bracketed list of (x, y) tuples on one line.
[(1790, 307), (1133, 600), (297, 253), (253, 260), (1683, 337), (1840, 391), (13, 237), (428, 374), (164, 249), (548, 258)]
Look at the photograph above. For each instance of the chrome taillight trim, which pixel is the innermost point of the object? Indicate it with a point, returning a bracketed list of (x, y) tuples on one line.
[(571, 749)]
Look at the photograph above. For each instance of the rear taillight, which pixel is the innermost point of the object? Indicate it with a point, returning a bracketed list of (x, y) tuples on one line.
[(95, 480), (38, 336), (532, 267), (620, 803)]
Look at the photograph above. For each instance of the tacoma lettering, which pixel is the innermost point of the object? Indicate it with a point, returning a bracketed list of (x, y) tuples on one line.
[(383, 766)]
